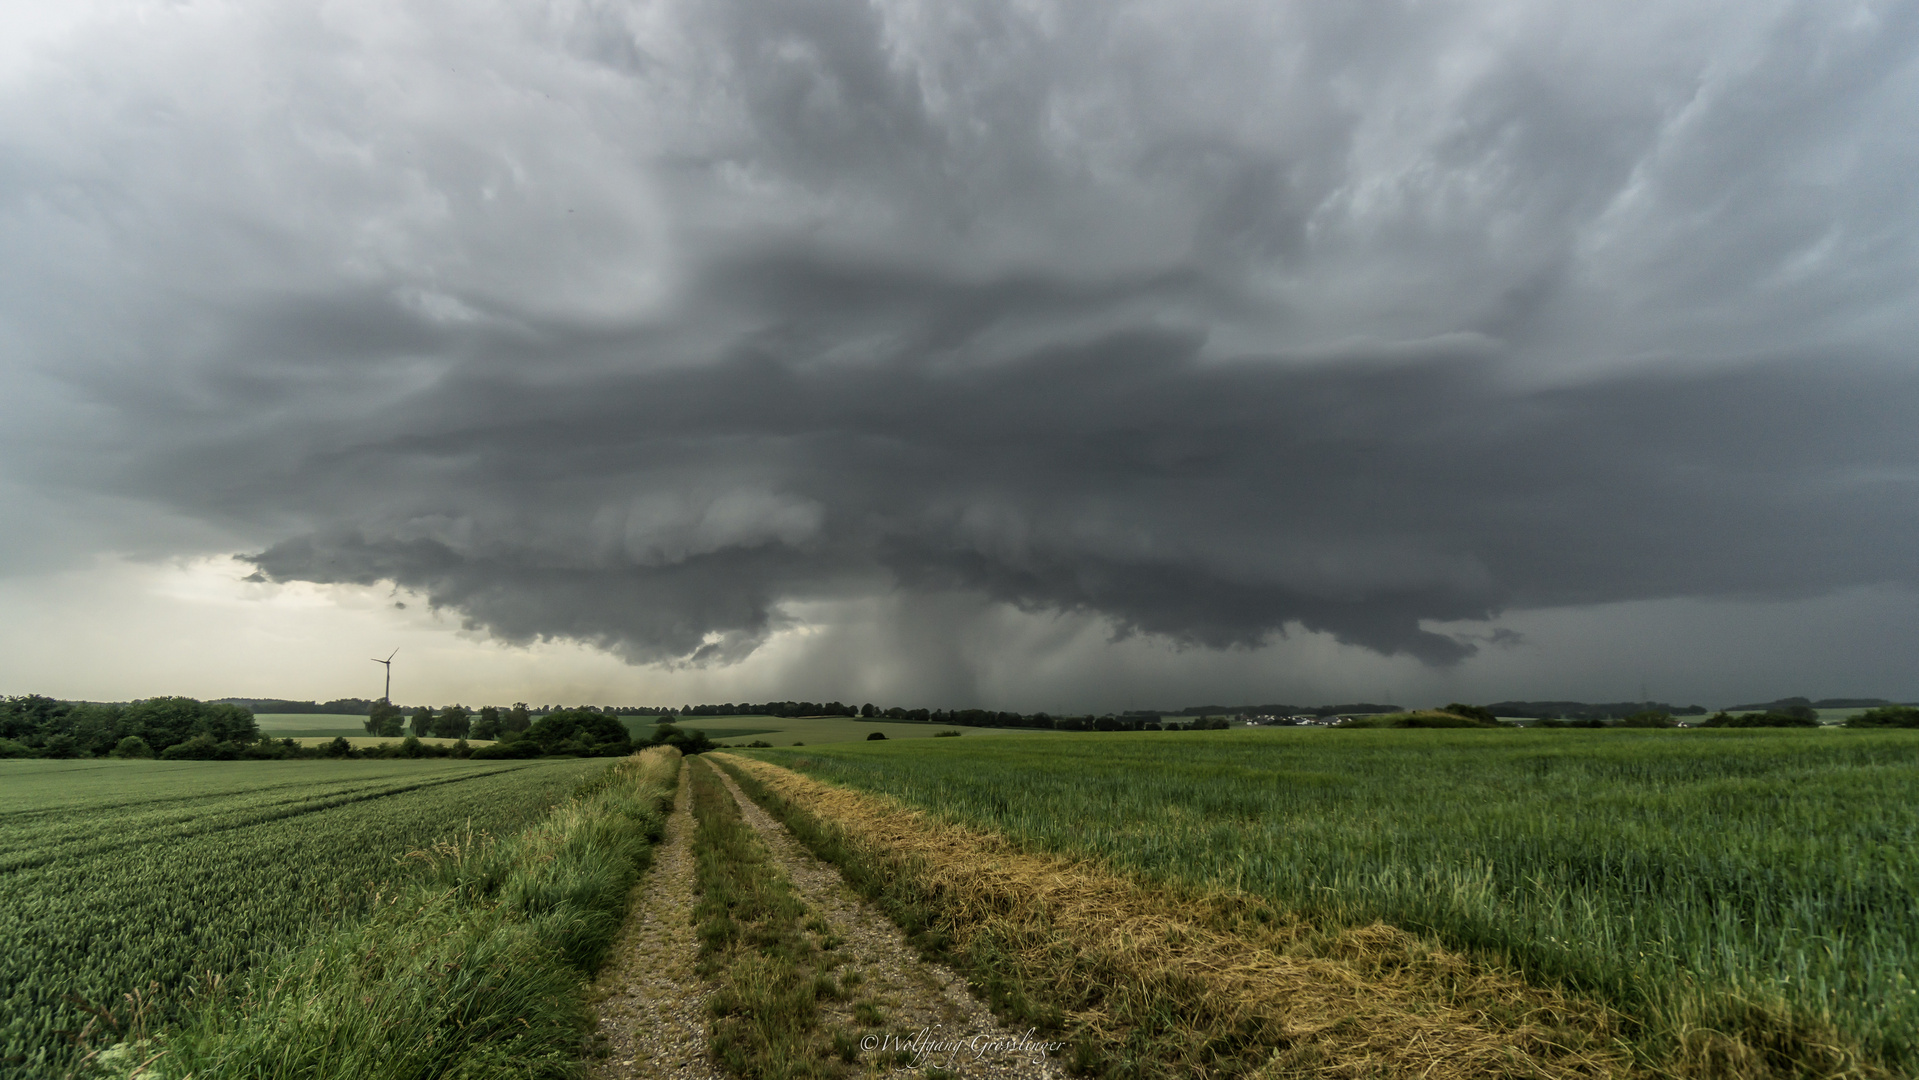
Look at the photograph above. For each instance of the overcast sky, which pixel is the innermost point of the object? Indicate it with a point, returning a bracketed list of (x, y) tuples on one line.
[(1063, 355)]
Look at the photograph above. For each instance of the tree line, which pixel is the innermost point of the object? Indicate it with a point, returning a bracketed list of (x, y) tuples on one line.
[(351, 706), (32, 725), (523, 732), (182, 728)]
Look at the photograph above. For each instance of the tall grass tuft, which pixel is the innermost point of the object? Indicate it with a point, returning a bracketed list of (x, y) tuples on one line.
[(474, 968)]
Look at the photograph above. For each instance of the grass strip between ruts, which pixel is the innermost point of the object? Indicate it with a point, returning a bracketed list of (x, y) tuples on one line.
[(474, 968), (772, 956), (1151, 982)]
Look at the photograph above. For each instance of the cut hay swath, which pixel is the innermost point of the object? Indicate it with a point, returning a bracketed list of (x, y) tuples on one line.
[(1152, 980)]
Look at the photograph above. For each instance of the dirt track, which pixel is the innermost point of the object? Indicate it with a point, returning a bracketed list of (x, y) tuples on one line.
[(652, 1005), (652, 1008)]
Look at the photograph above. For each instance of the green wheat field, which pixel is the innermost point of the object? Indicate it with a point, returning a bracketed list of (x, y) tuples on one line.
[(1681, 876), (117, 876)]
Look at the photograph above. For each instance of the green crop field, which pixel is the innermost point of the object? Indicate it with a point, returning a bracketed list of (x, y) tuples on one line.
[(118, 874), (1666, 872), (309, 725)]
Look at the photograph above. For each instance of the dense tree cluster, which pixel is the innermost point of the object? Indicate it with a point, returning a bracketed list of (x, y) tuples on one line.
[(387, 720), (1786, 703), (584, 733), (1790, 716), (178, 728), (170, 727), (1887, 716)]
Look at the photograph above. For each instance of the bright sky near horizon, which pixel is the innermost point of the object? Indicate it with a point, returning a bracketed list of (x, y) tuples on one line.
[(1028, 354)]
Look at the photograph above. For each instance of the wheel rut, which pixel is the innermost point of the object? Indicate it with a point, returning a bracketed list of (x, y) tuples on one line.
[(652, 1007), (927, 1007)]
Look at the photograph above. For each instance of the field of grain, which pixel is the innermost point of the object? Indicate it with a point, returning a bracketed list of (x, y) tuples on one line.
[(1753, 883), (309, 725), (118, 874), (474, 967)]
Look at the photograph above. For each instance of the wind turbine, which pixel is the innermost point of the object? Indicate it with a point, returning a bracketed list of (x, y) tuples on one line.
[(388, 696)]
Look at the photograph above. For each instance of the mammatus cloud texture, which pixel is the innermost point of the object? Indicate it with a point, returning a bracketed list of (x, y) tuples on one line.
[(650, 324)]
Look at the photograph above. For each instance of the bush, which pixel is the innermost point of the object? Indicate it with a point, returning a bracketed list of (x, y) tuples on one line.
[(877, 735), (1791, 717), (687, 743), (133, 746), (10, 748), (384, 720), (1654, 718), (165, 722), (583, 733), (1471, 712), (955, 734), (339, 747), (1887, 716), (515, 748), (1424, 718), (200, 748), (1446, 719)]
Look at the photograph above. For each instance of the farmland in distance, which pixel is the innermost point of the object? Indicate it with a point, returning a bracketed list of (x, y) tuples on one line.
[(1673, 874), (309, 725), (813, 730), (117, 874), (780, 731)]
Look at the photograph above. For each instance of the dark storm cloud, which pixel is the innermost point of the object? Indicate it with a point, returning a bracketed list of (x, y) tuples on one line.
[(639, 325), (1209, 501)]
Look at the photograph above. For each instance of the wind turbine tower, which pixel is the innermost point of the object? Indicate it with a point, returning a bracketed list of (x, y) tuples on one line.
[(388, 696)]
